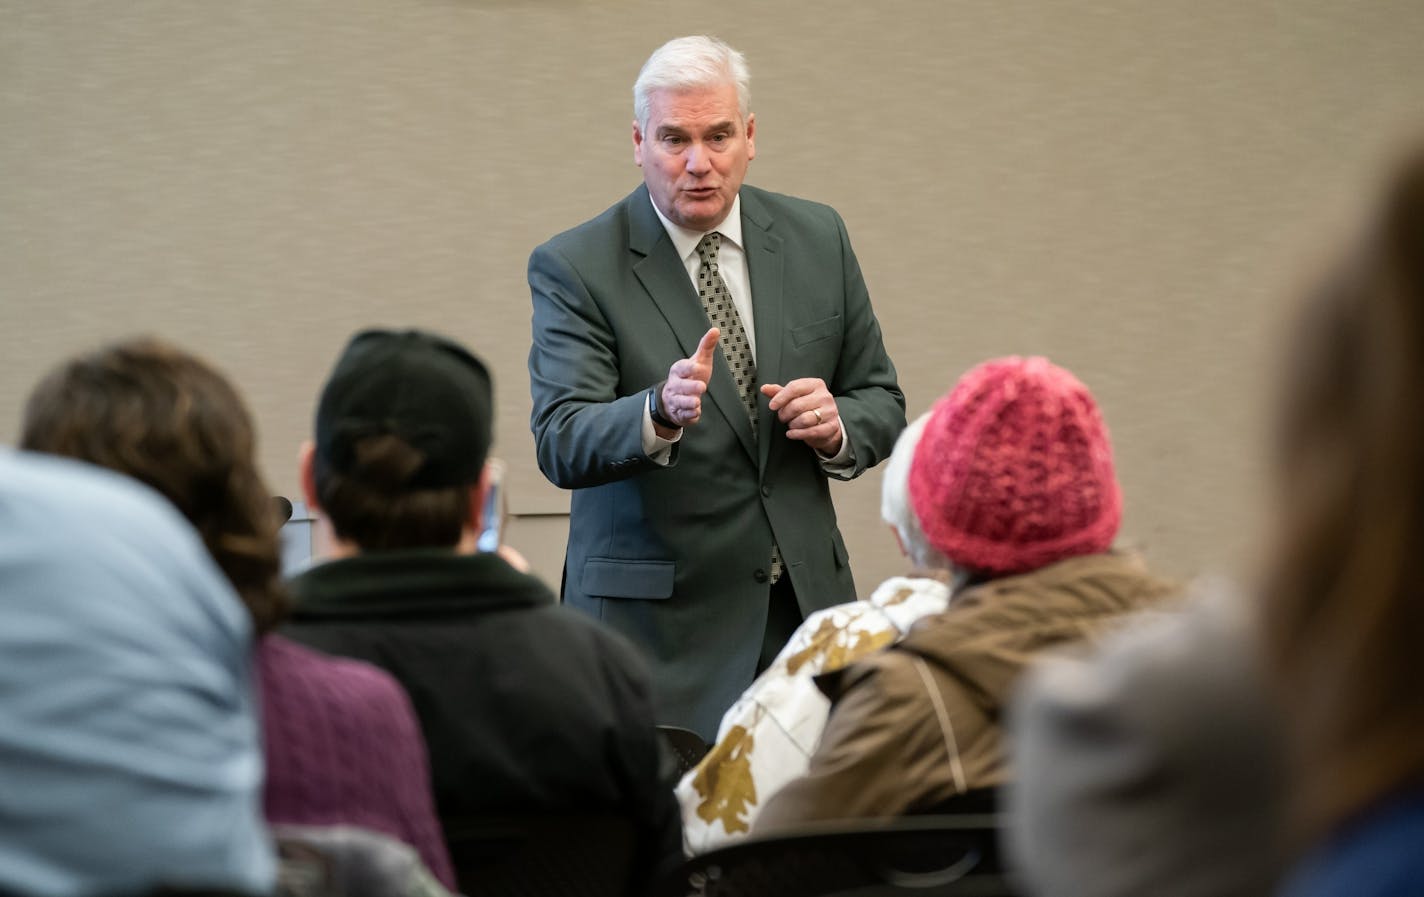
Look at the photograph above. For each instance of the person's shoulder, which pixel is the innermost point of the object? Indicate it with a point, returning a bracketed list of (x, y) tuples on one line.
[(880, 676), (71, 527), (786, 210), (587, 643), (87, 500), (1147, 686), (291, 663), (1133, 738), (833, 637), (1196, 646), (595, 233)]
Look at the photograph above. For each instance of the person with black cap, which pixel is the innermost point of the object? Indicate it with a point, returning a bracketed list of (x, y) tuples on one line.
[(526, 707)]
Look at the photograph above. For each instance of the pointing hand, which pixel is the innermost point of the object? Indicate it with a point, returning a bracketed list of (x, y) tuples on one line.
[(681, 399)]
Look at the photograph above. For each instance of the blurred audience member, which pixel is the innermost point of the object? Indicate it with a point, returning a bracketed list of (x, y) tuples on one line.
[(342, 861), (341, 741), (1153, 766), (1344, 598), (1013, 483), (127, 727), (527, 707), (767, 737), (1187, 760)]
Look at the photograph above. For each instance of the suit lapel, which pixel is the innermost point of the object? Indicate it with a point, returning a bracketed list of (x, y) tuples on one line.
[(661, 273), (764, 267)]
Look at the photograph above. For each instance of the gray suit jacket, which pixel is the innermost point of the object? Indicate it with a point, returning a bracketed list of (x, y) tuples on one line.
[(676, 557)]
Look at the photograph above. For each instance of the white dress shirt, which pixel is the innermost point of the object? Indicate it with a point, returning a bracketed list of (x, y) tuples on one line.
[(732, 266)]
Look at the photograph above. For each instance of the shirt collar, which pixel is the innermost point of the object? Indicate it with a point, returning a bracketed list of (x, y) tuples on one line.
[(685, 241)]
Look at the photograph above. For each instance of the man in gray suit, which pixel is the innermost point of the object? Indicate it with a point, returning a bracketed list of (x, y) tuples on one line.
[(705, 357)]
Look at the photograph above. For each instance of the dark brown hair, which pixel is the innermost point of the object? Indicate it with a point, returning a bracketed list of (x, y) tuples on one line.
[(374, 507), (162, 416), (1344, 595)]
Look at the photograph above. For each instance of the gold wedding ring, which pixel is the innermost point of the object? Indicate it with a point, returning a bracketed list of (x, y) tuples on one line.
[(817, 412)]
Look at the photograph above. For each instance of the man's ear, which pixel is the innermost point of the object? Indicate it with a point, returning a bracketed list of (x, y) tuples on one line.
[(306, 460), (637, 144)]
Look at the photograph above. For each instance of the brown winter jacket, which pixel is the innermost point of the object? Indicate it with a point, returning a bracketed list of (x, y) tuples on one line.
[(919, 722)]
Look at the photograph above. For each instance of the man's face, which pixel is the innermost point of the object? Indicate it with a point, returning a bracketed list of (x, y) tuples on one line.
[(694, 153)]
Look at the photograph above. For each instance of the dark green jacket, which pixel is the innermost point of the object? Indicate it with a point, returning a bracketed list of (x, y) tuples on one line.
[(525, 706), (677, 557)]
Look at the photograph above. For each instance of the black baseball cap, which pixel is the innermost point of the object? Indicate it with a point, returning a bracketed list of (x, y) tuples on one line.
[(426, 389)]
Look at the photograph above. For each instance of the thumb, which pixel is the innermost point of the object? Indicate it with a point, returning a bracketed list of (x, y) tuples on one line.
[(707, 346), (771, 391)]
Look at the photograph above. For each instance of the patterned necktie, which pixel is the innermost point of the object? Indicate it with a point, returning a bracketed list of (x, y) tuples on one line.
[(722, 312)]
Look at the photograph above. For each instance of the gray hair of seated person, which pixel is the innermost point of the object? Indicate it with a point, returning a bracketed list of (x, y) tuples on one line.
[(687, 63), (895, 506)]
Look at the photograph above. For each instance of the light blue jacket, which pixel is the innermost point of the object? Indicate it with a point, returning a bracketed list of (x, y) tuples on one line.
[(129, 749)]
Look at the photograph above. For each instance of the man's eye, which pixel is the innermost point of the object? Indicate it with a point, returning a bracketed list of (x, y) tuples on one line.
[(719, 139), (670, 140)]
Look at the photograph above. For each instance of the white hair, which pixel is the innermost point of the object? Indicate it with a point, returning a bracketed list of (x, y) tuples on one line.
[(684, 63), (895, 506)]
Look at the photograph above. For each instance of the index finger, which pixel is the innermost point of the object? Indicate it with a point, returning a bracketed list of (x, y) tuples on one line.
[(771, 391), (707, 346), (781, 396)]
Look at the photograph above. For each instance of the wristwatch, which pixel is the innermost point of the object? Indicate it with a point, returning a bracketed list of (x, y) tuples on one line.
[(654, 412)]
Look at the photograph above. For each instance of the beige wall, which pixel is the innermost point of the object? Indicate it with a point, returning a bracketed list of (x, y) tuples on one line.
[(1128, 187)]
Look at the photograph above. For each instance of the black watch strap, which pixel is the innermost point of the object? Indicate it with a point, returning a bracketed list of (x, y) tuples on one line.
[(655, 411)]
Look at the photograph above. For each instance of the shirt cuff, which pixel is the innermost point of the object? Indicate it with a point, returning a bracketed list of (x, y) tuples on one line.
[(842, 461), (658, 449)]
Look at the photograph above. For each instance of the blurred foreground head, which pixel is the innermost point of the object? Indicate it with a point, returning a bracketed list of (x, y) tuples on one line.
[(1345, 586), (1014, 470), (131, 754), (154, 412)]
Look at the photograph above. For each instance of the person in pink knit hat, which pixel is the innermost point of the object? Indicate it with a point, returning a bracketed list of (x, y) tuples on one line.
[(1013, 482)]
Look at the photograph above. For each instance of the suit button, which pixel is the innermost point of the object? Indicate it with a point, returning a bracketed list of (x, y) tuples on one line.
[(766, 492), (760, 576)]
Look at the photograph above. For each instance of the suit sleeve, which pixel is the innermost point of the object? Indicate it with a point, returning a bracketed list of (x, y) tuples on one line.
[(585, 433), (868, 396)]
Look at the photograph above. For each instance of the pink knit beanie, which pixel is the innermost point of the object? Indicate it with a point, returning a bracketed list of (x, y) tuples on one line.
[(1014, 470)]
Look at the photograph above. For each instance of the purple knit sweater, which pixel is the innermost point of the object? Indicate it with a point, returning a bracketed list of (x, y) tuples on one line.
[(343, 747)]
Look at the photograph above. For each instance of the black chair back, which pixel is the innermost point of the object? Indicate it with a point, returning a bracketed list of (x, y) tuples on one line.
[(685, 745), (982, 801), (542, 855), (927, 856)]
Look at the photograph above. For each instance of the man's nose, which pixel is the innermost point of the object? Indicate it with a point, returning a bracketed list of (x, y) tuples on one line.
[(697, 159)]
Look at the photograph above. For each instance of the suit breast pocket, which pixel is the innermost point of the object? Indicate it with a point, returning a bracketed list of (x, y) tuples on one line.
[(814, 332)]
